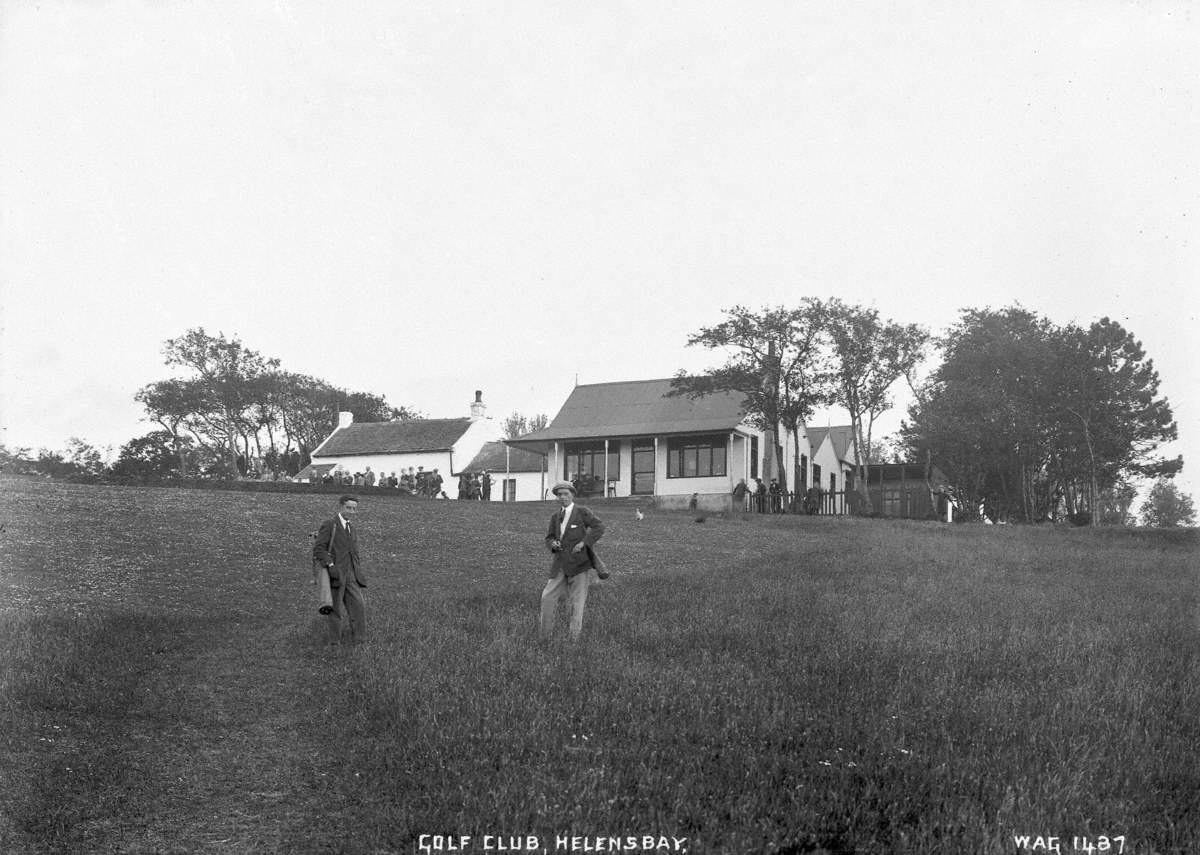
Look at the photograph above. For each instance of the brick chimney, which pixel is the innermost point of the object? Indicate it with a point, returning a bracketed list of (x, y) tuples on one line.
[(478, 407), (345, 419)]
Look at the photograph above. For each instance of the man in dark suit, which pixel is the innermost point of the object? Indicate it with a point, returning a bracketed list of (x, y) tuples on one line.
[(336, 549), (573, 530)]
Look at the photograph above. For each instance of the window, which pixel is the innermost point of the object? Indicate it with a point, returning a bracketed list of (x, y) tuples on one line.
[(584, 465), (696, 457), (832, 483), (642, 465), (803, 479), (753, 457), (510, 489), (816, 474)]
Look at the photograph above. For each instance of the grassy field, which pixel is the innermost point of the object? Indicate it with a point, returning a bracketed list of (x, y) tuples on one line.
[(767, 684)]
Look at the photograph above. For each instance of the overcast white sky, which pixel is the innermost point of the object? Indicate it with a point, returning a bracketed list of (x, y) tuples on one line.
[(424, 199)]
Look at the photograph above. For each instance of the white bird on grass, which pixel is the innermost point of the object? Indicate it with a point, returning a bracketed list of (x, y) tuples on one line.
[(638, 515)]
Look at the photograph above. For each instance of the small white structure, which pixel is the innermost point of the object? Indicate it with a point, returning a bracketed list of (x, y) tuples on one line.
[(832, 460), (422, 444), (518, 475)]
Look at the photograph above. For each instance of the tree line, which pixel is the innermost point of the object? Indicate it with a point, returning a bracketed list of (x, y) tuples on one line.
[(1028, 420), (232, 412)]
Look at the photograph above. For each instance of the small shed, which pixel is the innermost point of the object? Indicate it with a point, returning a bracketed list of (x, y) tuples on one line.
[(900, 490)]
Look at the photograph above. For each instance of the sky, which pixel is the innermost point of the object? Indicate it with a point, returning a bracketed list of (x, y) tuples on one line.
[(422, 199)]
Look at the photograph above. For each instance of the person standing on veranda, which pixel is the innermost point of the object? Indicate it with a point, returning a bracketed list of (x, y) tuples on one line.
[(573, 530), (336, 549)]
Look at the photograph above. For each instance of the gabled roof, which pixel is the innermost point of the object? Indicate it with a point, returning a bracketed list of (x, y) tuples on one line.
[(314, 469), (492, 458), (638, 408), (399, 437), (841, 436)]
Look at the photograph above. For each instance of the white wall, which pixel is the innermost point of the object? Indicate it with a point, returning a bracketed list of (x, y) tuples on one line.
[(529, 486), (471, 443), (385, 464), (468, 445)]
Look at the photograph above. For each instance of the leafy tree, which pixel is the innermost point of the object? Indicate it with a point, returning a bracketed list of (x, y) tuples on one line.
[(1114, 504), (238, 403), (79, 458), (776, 364), (15, 459), (1112, 417), (1034, 420), (178, 406), (85, 458), (152, 456), (517, 424), (1166, 506), (869, 355), (226, 371)]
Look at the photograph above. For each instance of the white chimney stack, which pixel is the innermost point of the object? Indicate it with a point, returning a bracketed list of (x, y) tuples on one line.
[(478, 407), (345, 420)]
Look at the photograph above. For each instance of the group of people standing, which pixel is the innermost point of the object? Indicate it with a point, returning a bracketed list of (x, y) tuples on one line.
[(415, 480), (771, 499), (571, 538), (475, 486)]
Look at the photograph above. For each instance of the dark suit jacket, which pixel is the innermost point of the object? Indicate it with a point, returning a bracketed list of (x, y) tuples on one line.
[(334, 545), (582, 527)]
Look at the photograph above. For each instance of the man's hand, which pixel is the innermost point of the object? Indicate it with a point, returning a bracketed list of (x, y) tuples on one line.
[(578, 547)]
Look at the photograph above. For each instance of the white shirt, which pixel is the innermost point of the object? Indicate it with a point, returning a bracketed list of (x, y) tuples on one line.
[(562, 526), (345, 522)]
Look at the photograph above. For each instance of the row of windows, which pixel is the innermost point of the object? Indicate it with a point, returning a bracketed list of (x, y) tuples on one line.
[(687, 457)]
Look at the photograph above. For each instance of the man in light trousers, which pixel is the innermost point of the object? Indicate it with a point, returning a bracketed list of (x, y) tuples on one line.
[(573, 530)]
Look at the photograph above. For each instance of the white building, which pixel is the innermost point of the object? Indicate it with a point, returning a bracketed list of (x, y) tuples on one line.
[(633, 439), (423, 444), (518, 475)]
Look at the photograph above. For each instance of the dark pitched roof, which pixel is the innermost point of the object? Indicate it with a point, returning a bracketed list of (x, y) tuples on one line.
[(841, 436), (317, 469), (638, 408), (401, 437), (491, 457)]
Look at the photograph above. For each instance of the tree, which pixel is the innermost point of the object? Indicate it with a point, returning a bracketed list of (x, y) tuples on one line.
[(869, 356), (1035, 420), (776, 364), (1114, 504), (517, 424), (85, 458), (226, 372), (987, 411), (152, 456), (177, 406), (1108, 390), (1167, 507)]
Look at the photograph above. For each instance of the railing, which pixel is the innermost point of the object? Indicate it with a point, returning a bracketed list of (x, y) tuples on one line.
[(811, 502)]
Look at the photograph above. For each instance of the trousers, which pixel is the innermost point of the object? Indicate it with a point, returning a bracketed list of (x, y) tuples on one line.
[(348, 602), (575, 590)]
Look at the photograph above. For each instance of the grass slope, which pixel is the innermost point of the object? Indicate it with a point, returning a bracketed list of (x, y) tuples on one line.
[(754, 685)]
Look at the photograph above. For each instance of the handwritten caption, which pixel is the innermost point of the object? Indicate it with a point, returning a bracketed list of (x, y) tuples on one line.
[(427, 844)]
